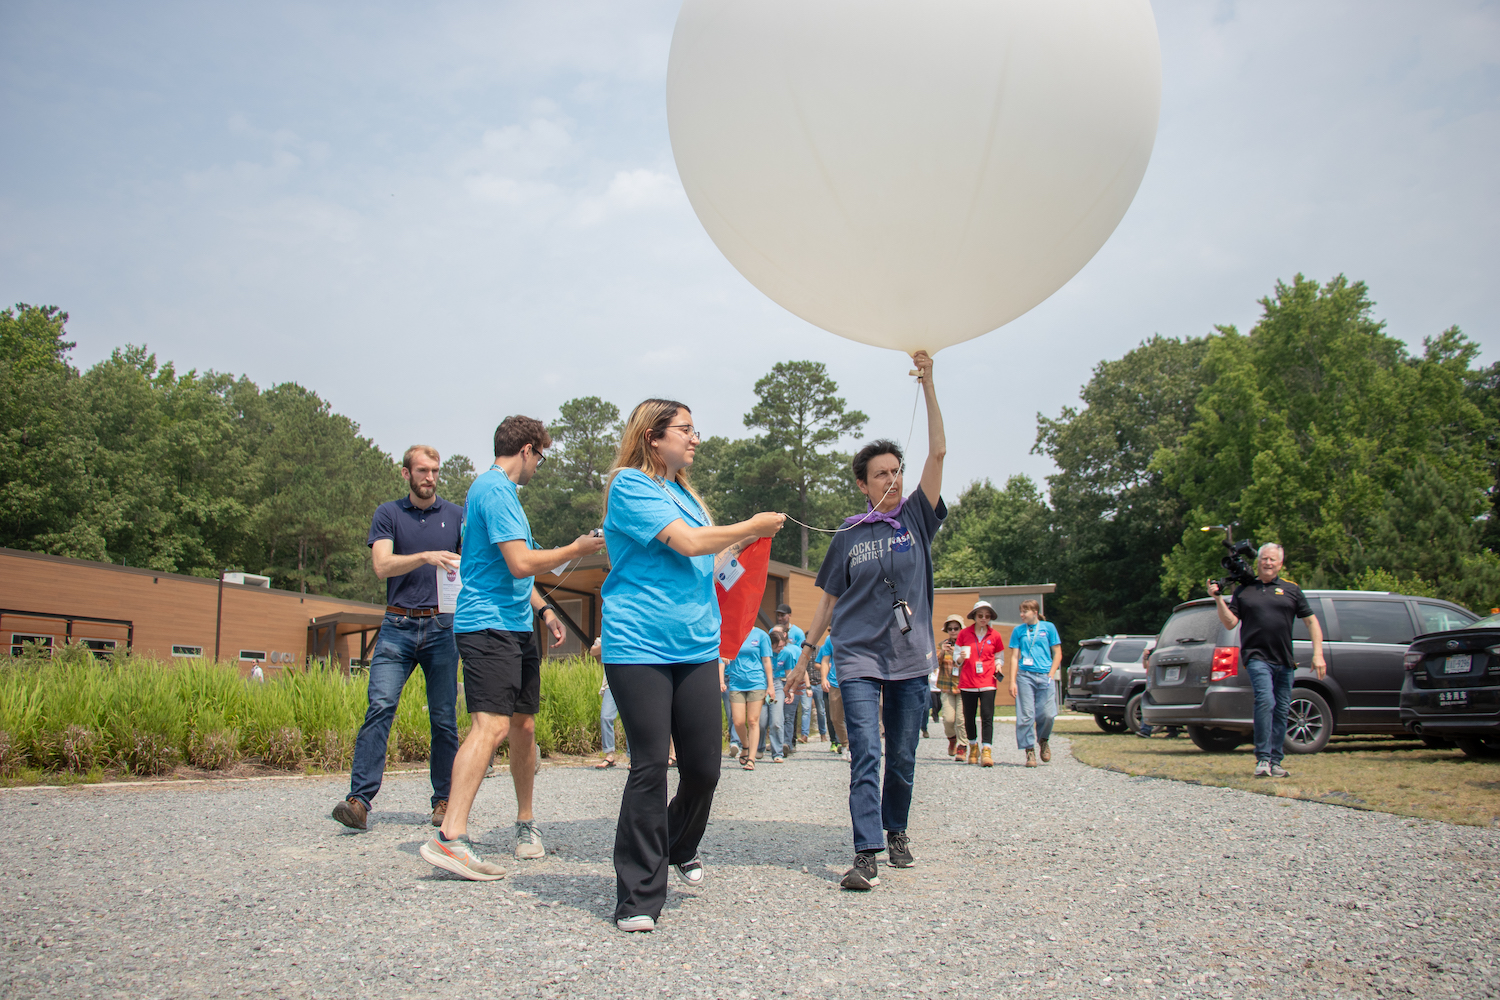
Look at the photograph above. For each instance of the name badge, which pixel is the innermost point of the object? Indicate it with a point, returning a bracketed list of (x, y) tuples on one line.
[(1026, 661)]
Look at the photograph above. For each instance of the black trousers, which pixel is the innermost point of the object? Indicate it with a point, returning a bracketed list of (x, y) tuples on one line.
[(985, 702), (658, 701)]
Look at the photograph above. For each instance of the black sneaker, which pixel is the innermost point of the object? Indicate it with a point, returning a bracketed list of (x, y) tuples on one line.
[(898, 850), (863, 876)]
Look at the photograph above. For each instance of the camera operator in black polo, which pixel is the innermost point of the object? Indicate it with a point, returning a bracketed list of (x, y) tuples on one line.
[(1265, 609)]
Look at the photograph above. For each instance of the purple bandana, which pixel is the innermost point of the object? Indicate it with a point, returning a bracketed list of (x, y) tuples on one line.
[(874, 515)]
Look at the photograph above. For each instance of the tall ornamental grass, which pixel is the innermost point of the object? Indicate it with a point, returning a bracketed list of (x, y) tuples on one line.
[(74, 714)]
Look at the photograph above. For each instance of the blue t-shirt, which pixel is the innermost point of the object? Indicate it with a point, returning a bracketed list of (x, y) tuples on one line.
[(785, 661), (411, 530), (795, 637), (659, 605), (746, 672), (825, 652), (1033, 645), (491, 596)]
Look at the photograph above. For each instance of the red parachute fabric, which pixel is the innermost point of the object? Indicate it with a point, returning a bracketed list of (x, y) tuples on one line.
[(746, 576)]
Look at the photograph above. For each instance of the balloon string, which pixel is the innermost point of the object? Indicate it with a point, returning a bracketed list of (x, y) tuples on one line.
[(905, 451)]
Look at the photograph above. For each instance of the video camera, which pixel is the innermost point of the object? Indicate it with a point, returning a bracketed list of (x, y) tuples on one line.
[(1238, 562)]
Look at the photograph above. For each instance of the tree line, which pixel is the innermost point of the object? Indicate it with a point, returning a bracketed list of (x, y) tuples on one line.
[(1376, 468)]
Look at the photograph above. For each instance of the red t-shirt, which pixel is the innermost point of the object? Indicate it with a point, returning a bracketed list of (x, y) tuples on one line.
[(978, 672)]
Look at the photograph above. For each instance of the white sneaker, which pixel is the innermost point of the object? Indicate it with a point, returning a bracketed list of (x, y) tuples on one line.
[(529, 840), (848, 756), (691, 872), (1262, 769), (632, 924)]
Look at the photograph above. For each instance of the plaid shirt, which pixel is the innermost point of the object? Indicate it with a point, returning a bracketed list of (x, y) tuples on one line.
[(947, 679)]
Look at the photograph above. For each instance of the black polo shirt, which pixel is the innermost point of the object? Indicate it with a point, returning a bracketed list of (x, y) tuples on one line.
[(411, 530), (1266, 612)]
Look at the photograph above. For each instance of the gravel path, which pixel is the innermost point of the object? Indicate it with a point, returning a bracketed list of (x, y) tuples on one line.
[(1063, 881)]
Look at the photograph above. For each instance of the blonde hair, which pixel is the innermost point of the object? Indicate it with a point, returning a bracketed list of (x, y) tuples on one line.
[(1034, 605), (647, 421), (425, 449)]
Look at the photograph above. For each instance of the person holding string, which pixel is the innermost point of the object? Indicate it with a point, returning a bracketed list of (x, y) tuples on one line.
[(877, 595), (660, 646)]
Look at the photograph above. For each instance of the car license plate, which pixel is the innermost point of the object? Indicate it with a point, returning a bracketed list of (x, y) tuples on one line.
[(1171, 675), (1459, 664), (1453, 699)]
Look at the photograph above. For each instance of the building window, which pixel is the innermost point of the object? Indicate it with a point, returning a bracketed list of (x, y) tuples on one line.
[(189, 651), (99, 647), (19, 639), (256, 655)]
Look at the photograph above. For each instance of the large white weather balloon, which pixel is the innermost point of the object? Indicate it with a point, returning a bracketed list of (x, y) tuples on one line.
[(912, 173)]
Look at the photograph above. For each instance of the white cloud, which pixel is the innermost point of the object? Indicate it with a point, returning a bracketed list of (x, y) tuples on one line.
[(629, 191)]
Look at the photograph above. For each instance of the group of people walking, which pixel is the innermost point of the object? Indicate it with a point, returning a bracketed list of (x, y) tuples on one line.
[(660, 647)]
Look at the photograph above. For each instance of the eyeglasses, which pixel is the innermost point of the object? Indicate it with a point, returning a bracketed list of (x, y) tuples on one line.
[(540, 458), (951, 628), (687, 429)]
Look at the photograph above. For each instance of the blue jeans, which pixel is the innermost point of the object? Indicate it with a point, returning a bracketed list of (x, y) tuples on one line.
[(1273, 699), (820, 705), (789, 718), (1036, 707), (770, 722), (734, 734), (404, 644), (607, 714), (875, 806)]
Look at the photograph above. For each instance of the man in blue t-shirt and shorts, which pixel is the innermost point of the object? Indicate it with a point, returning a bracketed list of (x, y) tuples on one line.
[(493, 626), (877, 595)]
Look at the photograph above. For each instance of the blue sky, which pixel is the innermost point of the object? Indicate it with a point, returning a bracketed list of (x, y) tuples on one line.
[(437, 215)]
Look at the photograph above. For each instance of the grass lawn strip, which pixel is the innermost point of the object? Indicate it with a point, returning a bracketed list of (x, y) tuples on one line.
[(1362, 772)]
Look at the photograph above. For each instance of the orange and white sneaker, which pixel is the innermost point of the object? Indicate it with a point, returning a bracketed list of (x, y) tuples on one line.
[(457, 856)]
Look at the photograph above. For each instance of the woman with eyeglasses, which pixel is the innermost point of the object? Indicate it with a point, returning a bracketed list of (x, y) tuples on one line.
[(661, 651), (978, 679), (950, 660)]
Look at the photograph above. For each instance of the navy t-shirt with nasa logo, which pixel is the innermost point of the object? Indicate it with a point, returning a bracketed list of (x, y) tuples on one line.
[(1266, 612), (859, 561)]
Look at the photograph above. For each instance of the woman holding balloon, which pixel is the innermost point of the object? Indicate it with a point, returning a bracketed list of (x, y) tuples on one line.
[(661, 651)]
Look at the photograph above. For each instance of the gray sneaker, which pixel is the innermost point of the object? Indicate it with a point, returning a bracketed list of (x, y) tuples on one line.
[(529, 841), (1262, 769), (1277, 771), (458, 857)]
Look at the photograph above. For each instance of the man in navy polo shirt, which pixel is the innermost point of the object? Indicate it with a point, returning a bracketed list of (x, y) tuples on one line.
[(411, 541)]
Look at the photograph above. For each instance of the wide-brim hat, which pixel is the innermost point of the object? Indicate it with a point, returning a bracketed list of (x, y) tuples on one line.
[(983, 604), (954, 618)]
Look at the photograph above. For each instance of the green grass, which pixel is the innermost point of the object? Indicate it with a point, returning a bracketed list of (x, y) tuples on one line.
[(75, 718)]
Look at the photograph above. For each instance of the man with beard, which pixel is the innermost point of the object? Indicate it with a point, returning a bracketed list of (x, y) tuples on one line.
[(411, 541)]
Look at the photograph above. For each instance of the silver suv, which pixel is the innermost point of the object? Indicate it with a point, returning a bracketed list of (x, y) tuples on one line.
[(1107, 677), (1195, 678)]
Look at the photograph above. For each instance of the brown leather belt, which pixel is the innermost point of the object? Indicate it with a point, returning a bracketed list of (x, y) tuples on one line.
[(391, 609)]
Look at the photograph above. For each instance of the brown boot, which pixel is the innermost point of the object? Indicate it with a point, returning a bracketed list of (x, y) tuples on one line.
[(439, 811), (985, 760), (1031, 756), (1046, 749), (952, 745), (973, 753), (352, 813)]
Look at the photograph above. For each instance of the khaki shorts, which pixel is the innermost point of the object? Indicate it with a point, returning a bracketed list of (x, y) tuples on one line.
[(746, 697)]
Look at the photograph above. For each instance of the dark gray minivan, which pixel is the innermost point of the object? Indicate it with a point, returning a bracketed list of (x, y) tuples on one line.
[(1195, 678), (1107, 674)]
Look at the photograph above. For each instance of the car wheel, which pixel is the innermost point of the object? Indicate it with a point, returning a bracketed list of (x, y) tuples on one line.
[(1109, 723), (1309, 722), (1437, 743), (1132, 720), (1211, 740), (1478, 746)]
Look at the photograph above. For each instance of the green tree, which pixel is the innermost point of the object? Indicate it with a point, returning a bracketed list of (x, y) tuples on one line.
[(1115, 515), (802, 417), (996, 537), (1319, 431), (565, 498), (455, 476), (31, 338)]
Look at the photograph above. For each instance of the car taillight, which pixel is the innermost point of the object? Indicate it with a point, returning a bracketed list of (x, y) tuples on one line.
[(1412, 660), (1226, 663), (1102, 672)]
